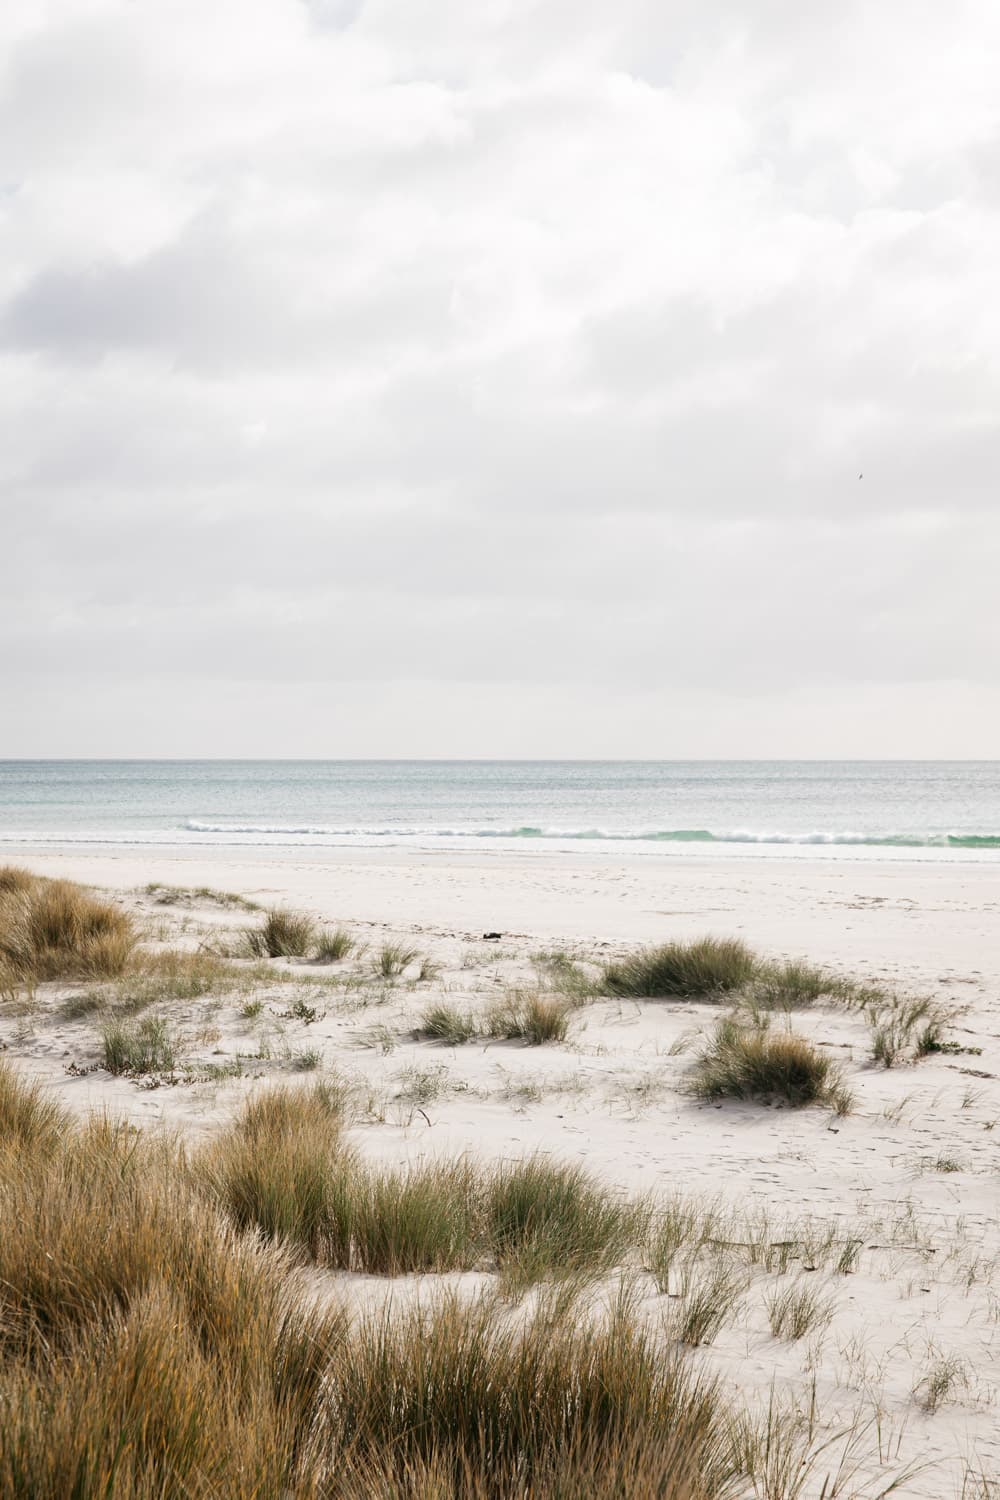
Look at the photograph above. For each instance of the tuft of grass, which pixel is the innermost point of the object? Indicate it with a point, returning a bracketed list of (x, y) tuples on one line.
[(392, 959), (29, 1118), (458, 1401), (708, 1302), (939, 1382), (172, 895), (162, 977), (525, 1015), (134, 1048), (333, 944), (905, 1029), (146, 1350), (283, 934), (797, 1310), (791, 985), (686, 971), (54, 929), (550, 1219), (15, 880), (742, 1063), (283, 1169), (446, 1023)]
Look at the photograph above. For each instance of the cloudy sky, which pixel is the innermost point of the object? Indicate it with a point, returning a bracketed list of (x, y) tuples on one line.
[(436, 378)]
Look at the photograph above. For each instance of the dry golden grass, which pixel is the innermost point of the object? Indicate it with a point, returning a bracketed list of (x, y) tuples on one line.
[(54, 929), (148, 1351), (757, 1063)]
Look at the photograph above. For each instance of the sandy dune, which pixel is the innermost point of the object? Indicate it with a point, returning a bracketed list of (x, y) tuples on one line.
[(909, 1176)]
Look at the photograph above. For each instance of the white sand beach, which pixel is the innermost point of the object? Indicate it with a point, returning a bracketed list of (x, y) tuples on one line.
[(908, 1177)]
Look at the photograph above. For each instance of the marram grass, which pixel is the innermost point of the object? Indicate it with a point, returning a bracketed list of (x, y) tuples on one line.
[(150, 1348)]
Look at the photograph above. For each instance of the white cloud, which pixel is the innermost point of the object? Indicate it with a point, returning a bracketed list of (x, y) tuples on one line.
[(525, 346)]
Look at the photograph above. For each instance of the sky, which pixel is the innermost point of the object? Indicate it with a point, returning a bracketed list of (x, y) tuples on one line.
[(517, 378)]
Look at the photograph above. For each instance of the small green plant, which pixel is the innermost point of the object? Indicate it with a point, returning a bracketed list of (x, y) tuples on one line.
[(742, 1063), (333, 944), (797, 1310), (137, 1047), (283, 934), (392, 959), (446, 1023), (685, 971), (299, 1010), (526, 1015), (251, 1009), (308, 1061)]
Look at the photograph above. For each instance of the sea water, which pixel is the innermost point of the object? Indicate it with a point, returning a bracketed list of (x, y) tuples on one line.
[(879, 810)]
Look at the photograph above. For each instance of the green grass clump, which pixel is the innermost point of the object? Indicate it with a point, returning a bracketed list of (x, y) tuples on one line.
[(526, 1015), (791, 985), (685, 971), (742, 1063), (54, 929), (392, 959), (333, 944), (547, 1218), (283, 934), (446, 1023), (133, 1048), (794, 1311)]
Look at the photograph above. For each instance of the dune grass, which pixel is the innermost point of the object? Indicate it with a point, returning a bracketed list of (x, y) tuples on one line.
[(446, 1023), (393, 959), (460, 1402), (282, 934), (134, 1048), (283, 1169), (684, 971), (54, 929), (527, 1015), (796, 1310), (904, 1029), (754, 1063), (29, 1117), (334, 944)]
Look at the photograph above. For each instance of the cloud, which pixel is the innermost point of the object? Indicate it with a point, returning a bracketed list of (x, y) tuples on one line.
[(517, 346)]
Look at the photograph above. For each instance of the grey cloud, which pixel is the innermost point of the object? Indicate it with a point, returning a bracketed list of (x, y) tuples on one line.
[(534, 345)]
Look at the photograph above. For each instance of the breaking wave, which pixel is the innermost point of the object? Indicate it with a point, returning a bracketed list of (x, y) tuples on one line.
[(651, 836)]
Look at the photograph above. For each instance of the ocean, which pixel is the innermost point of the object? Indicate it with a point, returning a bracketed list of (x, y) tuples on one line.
[(876, 810)]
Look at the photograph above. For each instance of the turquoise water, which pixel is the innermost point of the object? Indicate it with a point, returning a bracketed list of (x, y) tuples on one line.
[(660, 809)]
